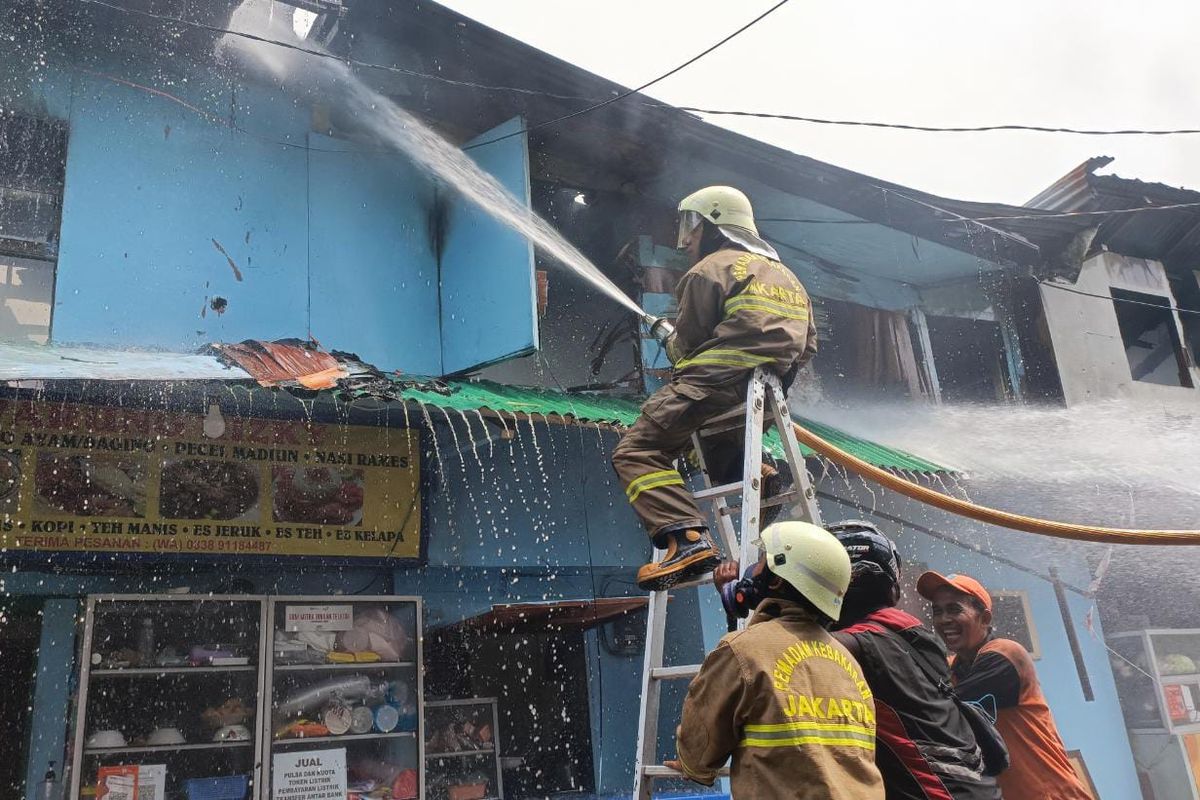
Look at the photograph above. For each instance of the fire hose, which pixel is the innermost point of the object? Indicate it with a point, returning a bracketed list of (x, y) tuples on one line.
[(992, 516)]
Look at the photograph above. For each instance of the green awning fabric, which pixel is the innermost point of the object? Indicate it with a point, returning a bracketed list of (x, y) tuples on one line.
[(621, 412)]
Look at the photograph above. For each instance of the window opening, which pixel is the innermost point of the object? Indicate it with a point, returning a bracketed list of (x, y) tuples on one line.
[(971, 364), (1012, 618), (1151, 338), (868, 351), (33, 157)]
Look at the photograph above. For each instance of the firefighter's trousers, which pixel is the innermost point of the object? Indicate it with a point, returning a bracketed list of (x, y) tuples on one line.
[(644, 458)]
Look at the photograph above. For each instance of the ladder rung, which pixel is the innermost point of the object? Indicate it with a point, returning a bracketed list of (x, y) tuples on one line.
[(706, 578), (735, 415), (674, 673), (659, 771), (721, 427), (779, 499), (724, 490)]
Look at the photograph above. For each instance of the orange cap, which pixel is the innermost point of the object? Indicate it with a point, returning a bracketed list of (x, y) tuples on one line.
[(930, 582)]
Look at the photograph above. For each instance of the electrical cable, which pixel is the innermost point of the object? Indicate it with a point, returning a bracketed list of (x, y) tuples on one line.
[(325, 54), (647, 103), (1162, 307), (946, 128), (638, 89), (991, 516)]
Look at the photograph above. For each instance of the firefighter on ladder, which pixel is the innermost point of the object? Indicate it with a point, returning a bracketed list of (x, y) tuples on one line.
[(739, 308)]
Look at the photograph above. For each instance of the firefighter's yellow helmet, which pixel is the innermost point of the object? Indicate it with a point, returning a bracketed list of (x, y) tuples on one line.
[(720, 205), (812, 560)]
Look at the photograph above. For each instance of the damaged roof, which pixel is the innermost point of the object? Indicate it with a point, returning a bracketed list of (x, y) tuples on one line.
[(1171, 236)]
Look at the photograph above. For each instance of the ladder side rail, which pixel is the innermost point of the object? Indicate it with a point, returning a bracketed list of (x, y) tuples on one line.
[(720, 506), (752, 468), (807, 502), (647, 745)]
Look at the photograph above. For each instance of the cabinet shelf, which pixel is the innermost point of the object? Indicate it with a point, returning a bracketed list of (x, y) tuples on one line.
[(183, 694), (346, 737), (1168, 679), (135, 671), (165, 748), (356, 665), (461, 753)]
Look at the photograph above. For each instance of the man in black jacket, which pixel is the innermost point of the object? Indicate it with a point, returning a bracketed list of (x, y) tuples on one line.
[(925, 750)]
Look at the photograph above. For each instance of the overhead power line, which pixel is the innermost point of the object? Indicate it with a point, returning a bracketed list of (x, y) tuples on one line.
[(945, 128), (643, 87), (1167, 306), (325, 54), (598, 103)]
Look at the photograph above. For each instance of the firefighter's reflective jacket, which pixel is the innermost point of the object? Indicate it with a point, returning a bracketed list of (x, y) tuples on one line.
[(789, 703), (738, 311)]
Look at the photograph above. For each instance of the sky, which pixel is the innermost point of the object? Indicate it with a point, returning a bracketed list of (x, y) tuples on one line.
[(1102, 64)]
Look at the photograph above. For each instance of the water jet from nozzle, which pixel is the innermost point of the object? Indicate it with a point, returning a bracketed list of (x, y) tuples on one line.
[(406, 133)]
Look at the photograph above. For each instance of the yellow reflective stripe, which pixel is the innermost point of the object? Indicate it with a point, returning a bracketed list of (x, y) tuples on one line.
[(807, 726), (651, 476), (770, 307), (652, 480), (656, 485), (787, 312), (827, 741), (726, 357)]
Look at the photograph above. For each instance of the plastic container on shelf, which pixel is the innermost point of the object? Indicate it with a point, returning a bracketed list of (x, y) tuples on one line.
[(224, 787)]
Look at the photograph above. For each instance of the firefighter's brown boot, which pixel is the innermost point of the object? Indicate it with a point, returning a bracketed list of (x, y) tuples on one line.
[(690, 554)]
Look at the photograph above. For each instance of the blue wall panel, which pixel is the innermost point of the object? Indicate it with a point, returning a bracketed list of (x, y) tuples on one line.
[(489, 305), (374, 269), (163, 211)]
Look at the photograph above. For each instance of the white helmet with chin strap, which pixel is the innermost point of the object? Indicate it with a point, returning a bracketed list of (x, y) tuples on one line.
[(812, 560), (727, 208)]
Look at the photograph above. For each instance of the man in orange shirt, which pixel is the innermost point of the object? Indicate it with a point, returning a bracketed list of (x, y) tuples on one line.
[(998, 674)]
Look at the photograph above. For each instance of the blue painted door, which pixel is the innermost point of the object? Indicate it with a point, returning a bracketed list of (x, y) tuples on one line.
[(489, 304)]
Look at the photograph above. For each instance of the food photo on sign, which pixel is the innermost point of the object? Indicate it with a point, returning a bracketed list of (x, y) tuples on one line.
[(265, 486)]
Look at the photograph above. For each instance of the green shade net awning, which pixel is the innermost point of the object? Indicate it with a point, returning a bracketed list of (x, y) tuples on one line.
[(622, 411)]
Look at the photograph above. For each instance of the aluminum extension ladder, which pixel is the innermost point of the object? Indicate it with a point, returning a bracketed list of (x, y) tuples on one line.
[(764, 392)]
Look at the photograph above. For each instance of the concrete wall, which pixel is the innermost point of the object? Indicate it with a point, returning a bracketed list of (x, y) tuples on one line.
[(1087, 340)]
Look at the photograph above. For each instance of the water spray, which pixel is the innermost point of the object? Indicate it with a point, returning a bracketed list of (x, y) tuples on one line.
[(992, 516), (403, 131)]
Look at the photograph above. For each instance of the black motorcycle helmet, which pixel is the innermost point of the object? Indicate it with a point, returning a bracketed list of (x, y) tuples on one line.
[(871, 553)]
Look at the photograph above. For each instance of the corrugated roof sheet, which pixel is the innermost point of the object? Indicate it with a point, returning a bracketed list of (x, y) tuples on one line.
[(284, 362), (622, 411)]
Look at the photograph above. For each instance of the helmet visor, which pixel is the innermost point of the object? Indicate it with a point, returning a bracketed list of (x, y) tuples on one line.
[(688, 222)]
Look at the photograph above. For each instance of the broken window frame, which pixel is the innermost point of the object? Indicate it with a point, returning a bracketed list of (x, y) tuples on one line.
[(1126, 305)]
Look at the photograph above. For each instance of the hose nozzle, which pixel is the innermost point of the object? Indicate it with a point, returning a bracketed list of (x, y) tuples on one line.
[(660, 328)]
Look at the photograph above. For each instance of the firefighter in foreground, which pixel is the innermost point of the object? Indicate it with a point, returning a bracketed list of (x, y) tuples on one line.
[(739, 308), (783, 697)]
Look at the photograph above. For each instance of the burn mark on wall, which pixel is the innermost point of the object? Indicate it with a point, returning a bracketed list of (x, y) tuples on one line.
[(237, 273)]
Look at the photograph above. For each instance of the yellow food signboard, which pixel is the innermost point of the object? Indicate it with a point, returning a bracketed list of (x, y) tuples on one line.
[(123, 480)]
